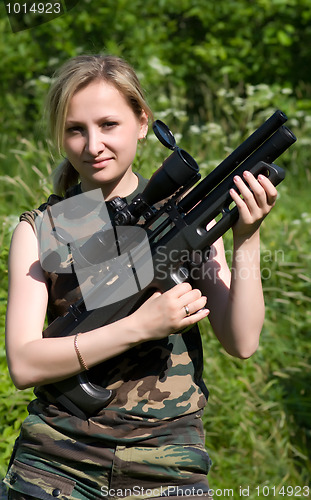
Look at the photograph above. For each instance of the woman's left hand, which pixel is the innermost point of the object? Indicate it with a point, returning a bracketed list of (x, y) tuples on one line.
[(258, 198)]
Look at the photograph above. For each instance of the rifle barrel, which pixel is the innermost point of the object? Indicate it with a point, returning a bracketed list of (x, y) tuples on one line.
[(269, 151), (237, 156)]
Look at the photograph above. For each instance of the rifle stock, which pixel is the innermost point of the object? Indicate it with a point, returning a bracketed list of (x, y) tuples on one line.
[(188, 218)]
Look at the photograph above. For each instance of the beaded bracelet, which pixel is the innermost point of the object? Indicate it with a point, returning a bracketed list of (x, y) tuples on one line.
[(80, 358)]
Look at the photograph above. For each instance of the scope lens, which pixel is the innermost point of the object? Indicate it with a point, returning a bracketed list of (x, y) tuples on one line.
[(164, 134), (187, 158)]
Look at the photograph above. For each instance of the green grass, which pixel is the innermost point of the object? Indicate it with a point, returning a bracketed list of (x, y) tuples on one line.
[(257, 421), (258, 418)]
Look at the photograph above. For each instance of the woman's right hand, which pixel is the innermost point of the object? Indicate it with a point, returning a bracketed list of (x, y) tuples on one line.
[(35, 361), (169, 312)]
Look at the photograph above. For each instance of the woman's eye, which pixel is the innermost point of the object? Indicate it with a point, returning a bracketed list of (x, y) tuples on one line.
[(109, 124), (74, 129)]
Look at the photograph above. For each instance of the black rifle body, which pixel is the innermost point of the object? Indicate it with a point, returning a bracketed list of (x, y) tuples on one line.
[(183, 231)]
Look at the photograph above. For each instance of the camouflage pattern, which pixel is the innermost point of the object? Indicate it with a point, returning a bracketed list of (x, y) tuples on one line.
[(131, 473), (149, 436)]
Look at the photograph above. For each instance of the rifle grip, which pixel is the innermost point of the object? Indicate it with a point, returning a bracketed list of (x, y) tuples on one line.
[(272, 171), (197, 236)]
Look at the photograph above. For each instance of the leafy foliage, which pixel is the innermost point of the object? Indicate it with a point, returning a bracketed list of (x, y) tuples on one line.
[(183, 50)]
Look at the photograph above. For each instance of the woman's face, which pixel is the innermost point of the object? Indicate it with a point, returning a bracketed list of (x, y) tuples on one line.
[(100, 139)]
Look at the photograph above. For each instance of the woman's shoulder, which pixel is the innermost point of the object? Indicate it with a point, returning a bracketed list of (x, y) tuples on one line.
[(30, 216)]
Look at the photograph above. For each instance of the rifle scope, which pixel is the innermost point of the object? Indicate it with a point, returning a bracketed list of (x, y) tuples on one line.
[(179, 170)]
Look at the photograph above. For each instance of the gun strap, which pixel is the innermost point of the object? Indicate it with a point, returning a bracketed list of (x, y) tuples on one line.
[(52, 394)]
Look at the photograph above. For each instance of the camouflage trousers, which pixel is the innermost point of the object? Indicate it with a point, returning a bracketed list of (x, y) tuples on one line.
[(134, 473)]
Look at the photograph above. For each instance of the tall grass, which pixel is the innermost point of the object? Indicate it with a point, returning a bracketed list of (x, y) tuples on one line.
[(257, 422), (258, 419)]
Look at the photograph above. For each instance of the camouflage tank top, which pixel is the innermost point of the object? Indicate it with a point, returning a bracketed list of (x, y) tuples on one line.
[(159, 390)]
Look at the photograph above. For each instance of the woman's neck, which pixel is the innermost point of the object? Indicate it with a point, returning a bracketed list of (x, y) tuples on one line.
[(120, 187)]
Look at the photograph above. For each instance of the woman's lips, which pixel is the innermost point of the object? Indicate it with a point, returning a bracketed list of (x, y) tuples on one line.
[(99, 163)]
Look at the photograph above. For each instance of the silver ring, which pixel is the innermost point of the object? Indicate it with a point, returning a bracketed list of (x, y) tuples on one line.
[(187, 310)]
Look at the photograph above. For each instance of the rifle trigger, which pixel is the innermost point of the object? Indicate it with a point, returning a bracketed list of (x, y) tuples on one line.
[(225, 210), (175, 216)]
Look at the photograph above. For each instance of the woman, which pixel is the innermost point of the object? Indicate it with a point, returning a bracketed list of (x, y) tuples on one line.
[(148, 441)]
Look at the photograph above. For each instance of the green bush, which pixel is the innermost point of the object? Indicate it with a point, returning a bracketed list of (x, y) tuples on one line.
[(184, 51)]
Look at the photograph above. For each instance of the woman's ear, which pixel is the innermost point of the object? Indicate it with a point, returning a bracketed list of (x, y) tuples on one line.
[(143, 125)]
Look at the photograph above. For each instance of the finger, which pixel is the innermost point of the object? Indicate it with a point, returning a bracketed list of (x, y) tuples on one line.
[(270, 189), (258, 190), (262, 187), (179, 290), (193, 307), (189, 297), (245, 189), (243, 208), (254, 195), (194, 318)]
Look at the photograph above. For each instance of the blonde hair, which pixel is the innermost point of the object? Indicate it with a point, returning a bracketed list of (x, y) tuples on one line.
[(74, 75)]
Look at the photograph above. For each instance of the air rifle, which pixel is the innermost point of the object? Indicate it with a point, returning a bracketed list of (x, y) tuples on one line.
[(175, 216)]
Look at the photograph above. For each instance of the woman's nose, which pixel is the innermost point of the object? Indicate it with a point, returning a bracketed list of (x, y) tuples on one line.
[(94, 144)]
